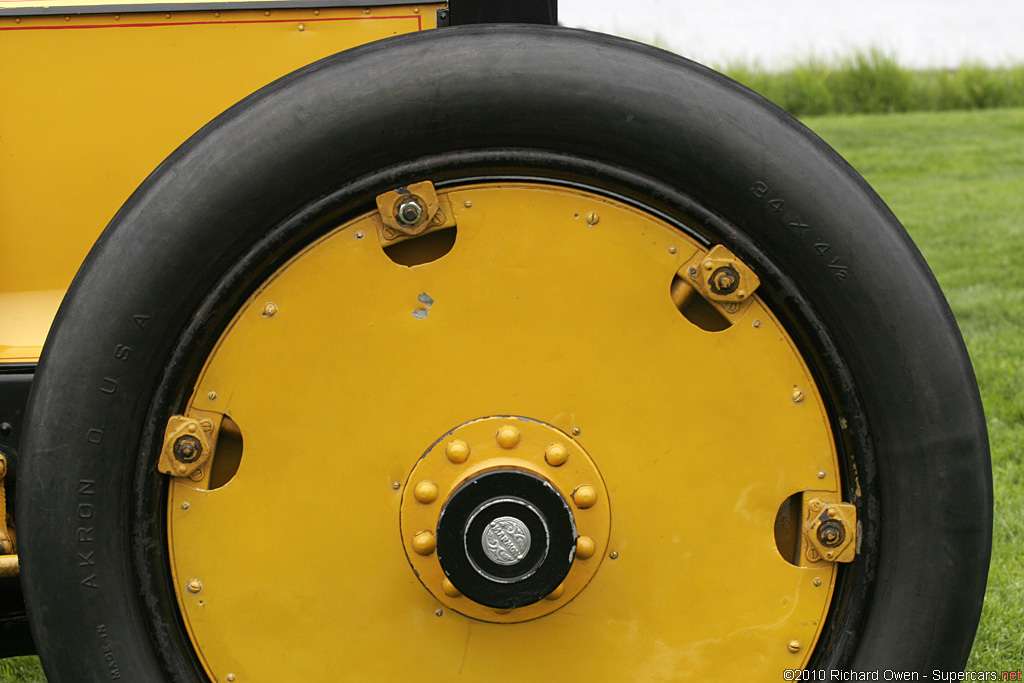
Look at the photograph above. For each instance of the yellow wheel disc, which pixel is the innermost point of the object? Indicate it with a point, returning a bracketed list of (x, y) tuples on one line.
[(341, 385)]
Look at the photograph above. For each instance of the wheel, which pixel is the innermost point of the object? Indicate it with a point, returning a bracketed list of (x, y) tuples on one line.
[(488, 351)]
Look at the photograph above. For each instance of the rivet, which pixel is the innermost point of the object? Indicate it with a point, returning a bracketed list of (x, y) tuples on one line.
[(302, 27), (798, 395), (184, 506), (502, 611), (439, 612), (67, 18), (575, 431), (585, 547), (269, 309), (614, 554), (593, 218), (741, 293), (216, 15), (816, 582), (194, 586), (508, 437), (468, 203), (457, 451), (556, 454), (832, 513), (266, 14), (425, 492), (366, 11), (672, 250), (424, 543), (449, 589), (708, 265), (167, 16), (212, 396), (316, 12), (756, 323), (557, 593), (794, 646), (230, 678), (17, 20), (584, 496), (822, 474), (396, 485), (117, 17), (192, 427), (360, 234), (415, 10)]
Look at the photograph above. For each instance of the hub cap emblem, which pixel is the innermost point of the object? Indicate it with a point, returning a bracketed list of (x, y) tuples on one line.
[(506, 540)]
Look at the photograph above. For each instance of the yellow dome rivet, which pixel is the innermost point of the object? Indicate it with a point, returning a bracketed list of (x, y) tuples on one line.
[(794, 646), (508, 437), (457, 451), (585, 547), (557, 593), (584, 497), (424, 543), (502, 611), (194, 586), (425, 492), (556, 454), (449, 589)]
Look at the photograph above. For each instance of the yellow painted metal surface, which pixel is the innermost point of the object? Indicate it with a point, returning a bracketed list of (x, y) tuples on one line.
[(26, 319), (92, 103), (536, 311)]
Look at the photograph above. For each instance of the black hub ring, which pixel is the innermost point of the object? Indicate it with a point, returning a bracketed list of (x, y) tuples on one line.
[(545, 561)]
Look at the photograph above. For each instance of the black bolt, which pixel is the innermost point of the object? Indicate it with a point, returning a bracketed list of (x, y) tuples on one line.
[(725, 280), (831, 533), (409, 211), (6, 429), (187, 448)]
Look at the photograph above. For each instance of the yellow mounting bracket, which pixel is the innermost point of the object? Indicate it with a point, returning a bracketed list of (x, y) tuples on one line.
[(189, 443), (8, 542), (722, 279), (410, 212), (829, 530)]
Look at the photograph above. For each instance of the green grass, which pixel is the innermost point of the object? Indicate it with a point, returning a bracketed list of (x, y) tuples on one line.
[(873, 82), (956, 180)]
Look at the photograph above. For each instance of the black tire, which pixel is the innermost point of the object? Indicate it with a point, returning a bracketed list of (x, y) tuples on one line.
[(310, 150)]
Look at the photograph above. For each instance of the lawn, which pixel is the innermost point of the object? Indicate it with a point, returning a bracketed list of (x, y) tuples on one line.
[(956, 180)]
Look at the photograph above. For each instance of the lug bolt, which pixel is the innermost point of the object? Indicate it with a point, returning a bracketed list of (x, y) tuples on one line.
[(457, 451), (187, 448), (426, 492), (557, 593), (584, 496), (556, 455), (508, 437), (585, 547), (424, 543), (794, 646), (194, 586), (409, 211), (831, 533), (449, 589)]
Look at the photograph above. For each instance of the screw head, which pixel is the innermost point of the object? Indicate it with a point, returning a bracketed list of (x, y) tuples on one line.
[(794, 646), (584, 496), (575, 431), (798, 395), (360, 234), (508, 437), (756, 323), (822, 474), (672, 250), (6, 429), (592, 218), (409, 211), (194, 586), (230, 678), (449, 589), (184, 506), (187, 449), (439, 612), (457, 451), (556, 454), (585, 547), (424, 543), (269, 309), (425, 492), (816, 582), (614, 554)]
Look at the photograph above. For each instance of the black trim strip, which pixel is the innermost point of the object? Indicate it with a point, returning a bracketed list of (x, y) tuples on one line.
[(197, 7)]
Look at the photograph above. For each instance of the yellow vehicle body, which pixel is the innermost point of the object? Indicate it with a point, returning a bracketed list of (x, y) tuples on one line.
[(93, 101)]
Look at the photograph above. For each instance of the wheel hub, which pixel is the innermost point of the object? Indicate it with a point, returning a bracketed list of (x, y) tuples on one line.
[(509, 540)]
